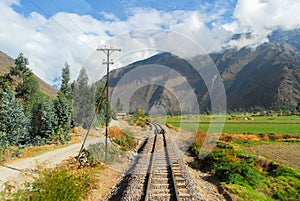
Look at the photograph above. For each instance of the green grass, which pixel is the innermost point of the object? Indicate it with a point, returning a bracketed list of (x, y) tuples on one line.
[(127, 142), (242, 174), (58, 184), (260, 124)]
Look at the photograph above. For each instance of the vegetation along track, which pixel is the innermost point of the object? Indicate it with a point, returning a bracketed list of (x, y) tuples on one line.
[(157, 172)]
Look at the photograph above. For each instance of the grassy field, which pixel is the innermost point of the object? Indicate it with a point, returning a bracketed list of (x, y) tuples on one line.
[(237, 124), (253, 157)]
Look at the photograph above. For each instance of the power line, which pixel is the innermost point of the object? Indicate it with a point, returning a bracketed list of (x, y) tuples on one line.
[(68, 31), (71, 20)]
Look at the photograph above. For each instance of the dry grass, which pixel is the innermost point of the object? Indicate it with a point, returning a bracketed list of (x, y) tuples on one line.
[(260, 137), (200, 138), (116, 132), (80, 131)]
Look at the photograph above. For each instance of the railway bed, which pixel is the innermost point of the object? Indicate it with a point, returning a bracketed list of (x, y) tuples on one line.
[(157, 173)]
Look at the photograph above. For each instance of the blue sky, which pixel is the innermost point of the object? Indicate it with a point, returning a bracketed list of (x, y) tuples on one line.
[(52, 32), (121, 8)]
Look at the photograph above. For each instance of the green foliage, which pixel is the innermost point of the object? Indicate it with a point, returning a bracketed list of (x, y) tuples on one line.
[(126, 142), (20, 74), (58, 184), (284, 184), (29, 111), (138, 118), (14, 123), (31, 93), (44, 122), (101, 113), (97, 151), (20, 69), (66, 88), (63, 111), (237, 171), (242, 176), (83, 100)]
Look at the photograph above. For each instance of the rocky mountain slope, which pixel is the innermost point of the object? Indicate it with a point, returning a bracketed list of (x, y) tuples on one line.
[(267, 76)]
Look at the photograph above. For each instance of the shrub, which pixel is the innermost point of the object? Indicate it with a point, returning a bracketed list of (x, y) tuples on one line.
[(58, 184), (123, 138), (249, 176)]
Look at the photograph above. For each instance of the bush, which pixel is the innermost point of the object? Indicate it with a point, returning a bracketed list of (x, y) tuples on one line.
[(231, 166), (58, 184), (243, 174), (14, 123), (124, 139)]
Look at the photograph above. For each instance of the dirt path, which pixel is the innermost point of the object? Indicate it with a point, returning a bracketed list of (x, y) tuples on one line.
[(14, 172)]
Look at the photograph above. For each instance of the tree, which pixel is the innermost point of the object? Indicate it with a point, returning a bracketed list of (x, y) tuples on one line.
[(44, 122), (14, 123), (63, 105), (101, 114), (65, 82), (63, 111), (52, 118), (83, 100), (25, 84), (20, 69), (31, 93), (20, 74)]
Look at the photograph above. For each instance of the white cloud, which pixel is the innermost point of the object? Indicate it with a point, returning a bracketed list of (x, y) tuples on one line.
[(49, 43), (268, 14), (261, 17)]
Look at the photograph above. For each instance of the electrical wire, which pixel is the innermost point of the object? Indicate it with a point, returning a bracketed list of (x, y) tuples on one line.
[(71, 20), (64, 28)]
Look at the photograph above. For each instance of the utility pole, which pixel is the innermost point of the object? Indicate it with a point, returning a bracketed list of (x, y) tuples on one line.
[(107, 52)]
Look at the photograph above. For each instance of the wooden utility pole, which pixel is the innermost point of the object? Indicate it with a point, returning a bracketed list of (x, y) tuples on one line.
[(107, 52)]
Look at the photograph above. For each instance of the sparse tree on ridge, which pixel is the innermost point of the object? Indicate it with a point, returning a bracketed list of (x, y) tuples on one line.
[(19, 74)]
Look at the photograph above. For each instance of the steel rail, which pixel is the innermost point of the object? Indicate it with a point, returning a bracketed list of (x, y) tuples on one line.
[(151, 165)]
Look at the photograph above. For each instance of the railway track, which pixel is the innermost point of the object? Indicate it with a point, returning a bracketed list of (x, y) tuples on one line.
[(158, 173), (165, 179)]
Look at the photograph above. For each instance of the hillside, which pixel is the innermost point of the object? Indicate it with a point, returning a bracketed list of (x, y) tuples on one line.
[(6, 62), (268, 77)]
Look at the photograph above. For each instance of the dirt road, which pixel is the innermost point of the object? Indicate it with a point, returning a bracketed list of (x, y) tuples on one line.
[(14, 172)]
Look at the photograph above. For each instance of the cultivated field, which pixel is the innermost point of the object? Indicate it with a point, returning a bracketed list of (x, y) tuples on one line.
[(238, 124), (275, 137)]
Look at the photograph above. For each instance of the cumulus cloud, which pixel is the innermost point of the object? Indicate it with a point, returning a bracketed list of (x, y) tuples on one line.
[(261, 17), (268, 14), (50, 42), (74, 38)]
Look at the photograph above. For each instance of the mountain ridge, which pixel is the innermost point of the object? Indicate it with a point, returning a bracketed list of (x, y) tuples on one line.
[(6, 62), (267, 77)]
